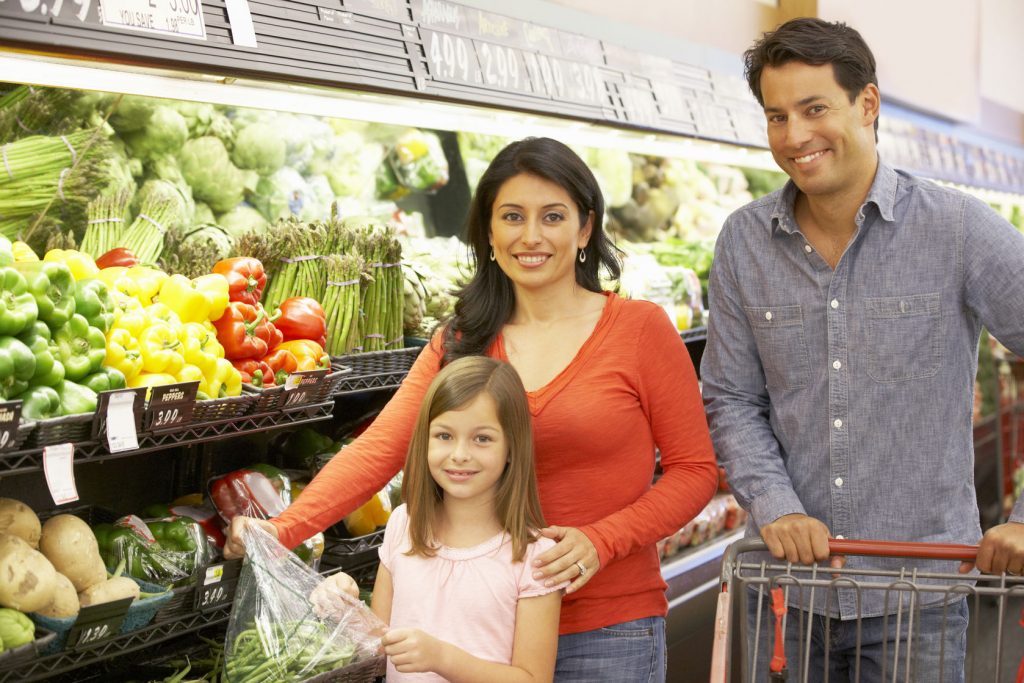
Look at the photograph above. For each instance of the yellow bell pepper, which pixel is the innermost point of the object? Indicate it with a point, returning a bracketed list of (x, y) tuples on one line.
[(123, 352), (203, 298), (117, 281), (23, 253), (370, 515), (189, 499), (161, 349), (134, 320), (149, 281), (81, 265), (201, 347), (159, 312), (224, 381), (190, 373), (150, 380)]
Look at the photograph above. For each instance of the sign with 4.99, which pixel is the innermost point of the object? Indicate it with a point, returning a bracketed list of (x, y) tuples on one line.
[(169, 17)]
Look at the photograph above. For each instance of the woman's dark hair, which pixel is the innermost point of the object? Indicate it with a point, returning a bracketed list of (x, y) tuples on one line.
[(485, 304), (814, 42)]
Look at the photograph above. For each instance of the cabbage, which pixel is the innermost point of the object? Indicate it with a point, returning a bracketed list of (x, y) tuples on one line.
[(259, 148), (132, 113), (321, 198), (280, 195), (352, 171), (241, 220), (203, 214), (165, 133), (305, 138), (208, 170), (197, 116), (211, 235)]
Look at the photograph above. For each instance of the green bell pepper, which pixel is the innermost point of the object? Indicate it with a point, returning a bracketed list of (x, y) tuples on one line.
[(17, 365), (104, 380), (82, 348), (75, 399), (18, 308), (6, 252), (117, 543), (94, 303), (39, 403), (53, 287), (174, 534), (49, 371)]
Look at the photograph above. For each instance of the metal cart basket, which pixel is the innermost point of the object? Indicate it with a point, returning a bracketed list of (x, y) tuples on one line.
[(779, 650)]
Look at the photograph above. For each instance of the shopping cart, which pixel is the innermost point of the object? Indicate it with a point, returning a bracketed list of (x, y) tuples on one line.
[(777, 587)]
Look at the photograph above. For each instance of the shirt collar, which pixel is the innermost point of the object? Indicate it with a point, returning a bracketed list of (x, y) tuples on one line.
[(882, 194)]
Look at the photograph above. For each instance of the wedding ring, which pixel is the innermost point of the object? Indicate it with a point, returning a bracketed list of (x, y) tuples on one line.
[(583, 570)]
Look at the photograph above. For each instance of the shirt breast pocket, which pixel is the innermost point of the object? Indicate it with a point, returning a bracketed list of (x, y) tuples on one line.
[(904, 337), (781, 343)]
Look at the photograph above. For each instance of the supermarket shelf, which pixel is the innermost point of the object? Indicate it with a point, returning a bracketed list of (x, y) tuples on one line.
[(18, 462), (46, 667), (699, 556)]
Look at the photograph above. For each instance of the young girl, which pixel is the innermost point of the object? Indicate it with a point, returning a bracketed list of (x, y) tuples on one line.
[(455, 581)]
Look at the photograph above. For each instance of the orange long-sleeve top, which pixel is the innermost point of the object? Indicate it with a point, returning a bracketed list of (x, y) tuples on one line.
[(630, 389)]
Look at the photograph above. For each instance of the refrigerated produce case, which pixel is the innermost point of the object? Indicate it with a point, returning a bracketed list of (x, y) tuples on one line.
[(473, 79)]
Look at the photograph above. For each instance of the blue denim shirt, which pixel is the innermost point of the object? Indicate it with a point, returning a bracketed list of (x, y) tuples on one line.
[(848, 395)]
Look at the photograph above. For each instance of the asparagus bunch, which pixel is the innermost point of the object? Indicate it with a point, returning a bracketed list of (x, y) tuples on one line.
[(109, 218), (341, 303), (382, 299), (299, 268), (27, 110), (145, 236)]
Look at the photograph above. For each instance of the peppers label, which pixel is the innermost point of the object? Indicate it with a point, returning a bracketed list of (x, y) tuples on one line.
[(10, 414), (171, 406), (97, 623), (219, 582), (303, 387)]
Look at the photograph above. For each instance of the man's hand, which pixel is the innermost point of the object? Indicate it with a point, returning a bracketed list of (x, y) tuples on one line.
[(1001, 550), (413, 651), (797, 538)]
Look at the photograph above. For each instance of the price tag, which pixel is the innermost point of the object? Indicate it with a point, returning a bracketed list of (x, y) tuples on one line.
[(303, 387), (502, 67), (171, 406), (85, 11), (218, 585), (169, 17), (59, 470), (118, 414), (10, 413), (451, 58), (98, 623)]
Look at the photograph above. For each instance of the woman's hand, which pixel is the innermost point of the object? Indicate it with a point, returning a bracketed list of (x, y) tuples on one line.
[(233, 546), (574, 558)]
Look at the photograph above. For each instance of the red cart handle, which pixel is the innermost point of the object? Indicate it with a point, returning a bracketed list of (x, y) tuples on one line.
[(937, 551)]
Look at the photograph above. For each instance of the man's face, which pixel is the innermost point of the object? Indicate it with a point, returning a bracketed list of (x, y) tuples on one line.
[(825, 143)]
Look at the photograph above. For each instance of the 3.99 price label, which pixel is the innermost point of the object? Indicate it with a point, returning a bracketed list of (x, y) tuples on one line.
[(169, 17), (10, 413), (217, 585), (171, 406)]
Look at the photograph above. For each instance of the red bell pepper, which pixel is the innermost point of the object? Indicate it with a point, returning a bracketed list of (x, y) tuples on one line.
[(245, 492), (302, 318), (255, 372), (118, 256), (246, 278), (243, 332), (282, 363), (267, 329)]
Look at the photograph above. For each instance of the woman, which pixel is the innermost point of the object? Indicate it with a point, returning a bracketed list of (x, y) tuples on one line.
[(608, 381)]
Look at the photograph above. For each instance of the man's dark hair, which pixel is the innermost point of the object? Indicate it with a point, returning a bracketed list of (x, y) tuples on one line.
[(814, 42)]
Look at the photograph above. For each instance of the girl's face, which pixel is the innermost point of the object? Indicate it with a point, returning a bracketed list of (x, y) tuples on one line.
[(467, 451), (535, 232)]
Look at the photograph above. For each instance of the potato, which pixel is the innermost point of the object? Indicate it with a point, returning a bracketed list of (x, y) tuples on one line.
[(65, 599), (112, 589), (70, 545), (27, 578), (18, 519)]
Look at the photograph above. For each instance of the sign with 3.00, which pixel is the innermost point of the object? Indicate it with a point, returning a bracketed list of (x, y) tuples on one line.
[(170, 17)]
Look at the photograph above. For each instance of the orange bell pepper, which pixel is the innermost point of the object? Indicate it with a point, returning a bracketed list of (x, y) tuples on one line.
[(308, 354), (282, 363)]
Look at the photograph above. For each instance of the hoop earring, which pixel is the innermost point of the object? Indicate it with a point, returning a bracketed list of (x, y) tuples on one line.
[(492, 254), (583, 256)]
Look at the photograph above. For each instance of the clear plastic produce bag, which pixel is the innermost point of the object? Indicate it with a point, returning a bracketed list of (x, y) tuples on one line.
[(277, 633)]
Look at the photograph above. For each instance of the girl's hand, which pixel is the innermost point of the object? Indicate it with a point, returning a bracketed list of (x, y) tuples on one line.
[(413, 651), (233, 546), (330, 597), (574, 558)]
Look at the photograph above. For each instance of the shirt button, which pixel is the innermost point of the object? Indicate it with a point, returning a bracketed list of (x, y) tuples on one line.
[(839, 482), (808, 248), (840, 537), (838, 424), (837, 365), (834, 303), (768, 315)]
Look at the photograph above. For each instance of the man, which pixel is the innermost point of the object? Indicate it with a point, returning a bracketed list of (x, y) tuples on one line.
[(839, 372)]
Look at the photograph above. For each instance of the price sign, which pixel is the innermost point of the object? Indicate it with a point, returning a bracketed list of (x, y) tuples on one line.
[(561, 79), (171, 406), (451, 58), (10, 413), (639, 105), (98, 623), (303, 387), (218, 585), (85, 11), (59, 470), (119, 415), (168, 17), (502, 67)]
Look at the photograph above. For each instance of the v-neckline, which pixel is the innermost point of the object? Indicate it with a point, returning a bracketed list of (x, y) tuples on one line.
[(540, 397)]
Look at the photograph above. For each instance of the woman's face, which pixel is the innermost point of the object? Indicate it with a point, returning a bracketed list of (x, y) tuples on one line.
[(536, 234)]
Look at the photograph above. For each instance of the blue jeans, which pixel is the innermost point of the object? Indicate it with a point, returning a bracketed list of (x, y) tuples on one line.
[(632, 651), (938, 645)]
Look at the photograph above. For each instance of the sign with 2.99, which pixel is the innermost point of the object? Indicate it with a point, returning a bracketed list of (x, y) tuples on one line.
[(169, 17)]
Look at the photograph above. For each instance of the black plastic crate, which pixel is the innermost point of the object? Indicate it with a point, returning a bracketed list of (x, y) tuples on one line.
[(67, 429), (346, 553), (222, 408), (374, 370)]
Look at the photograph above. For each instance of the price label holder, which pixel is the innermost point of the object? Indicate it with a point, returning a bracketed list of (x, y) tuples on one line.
[(10, 414), (119, 415), (171, 406), (183, 18), (217, 585), (59, 470), (98, 623), (303, 387)]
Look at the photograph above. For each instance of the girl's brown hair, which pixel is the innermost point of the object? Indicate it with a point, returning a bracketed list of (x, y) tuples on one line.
[(517, 504)]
